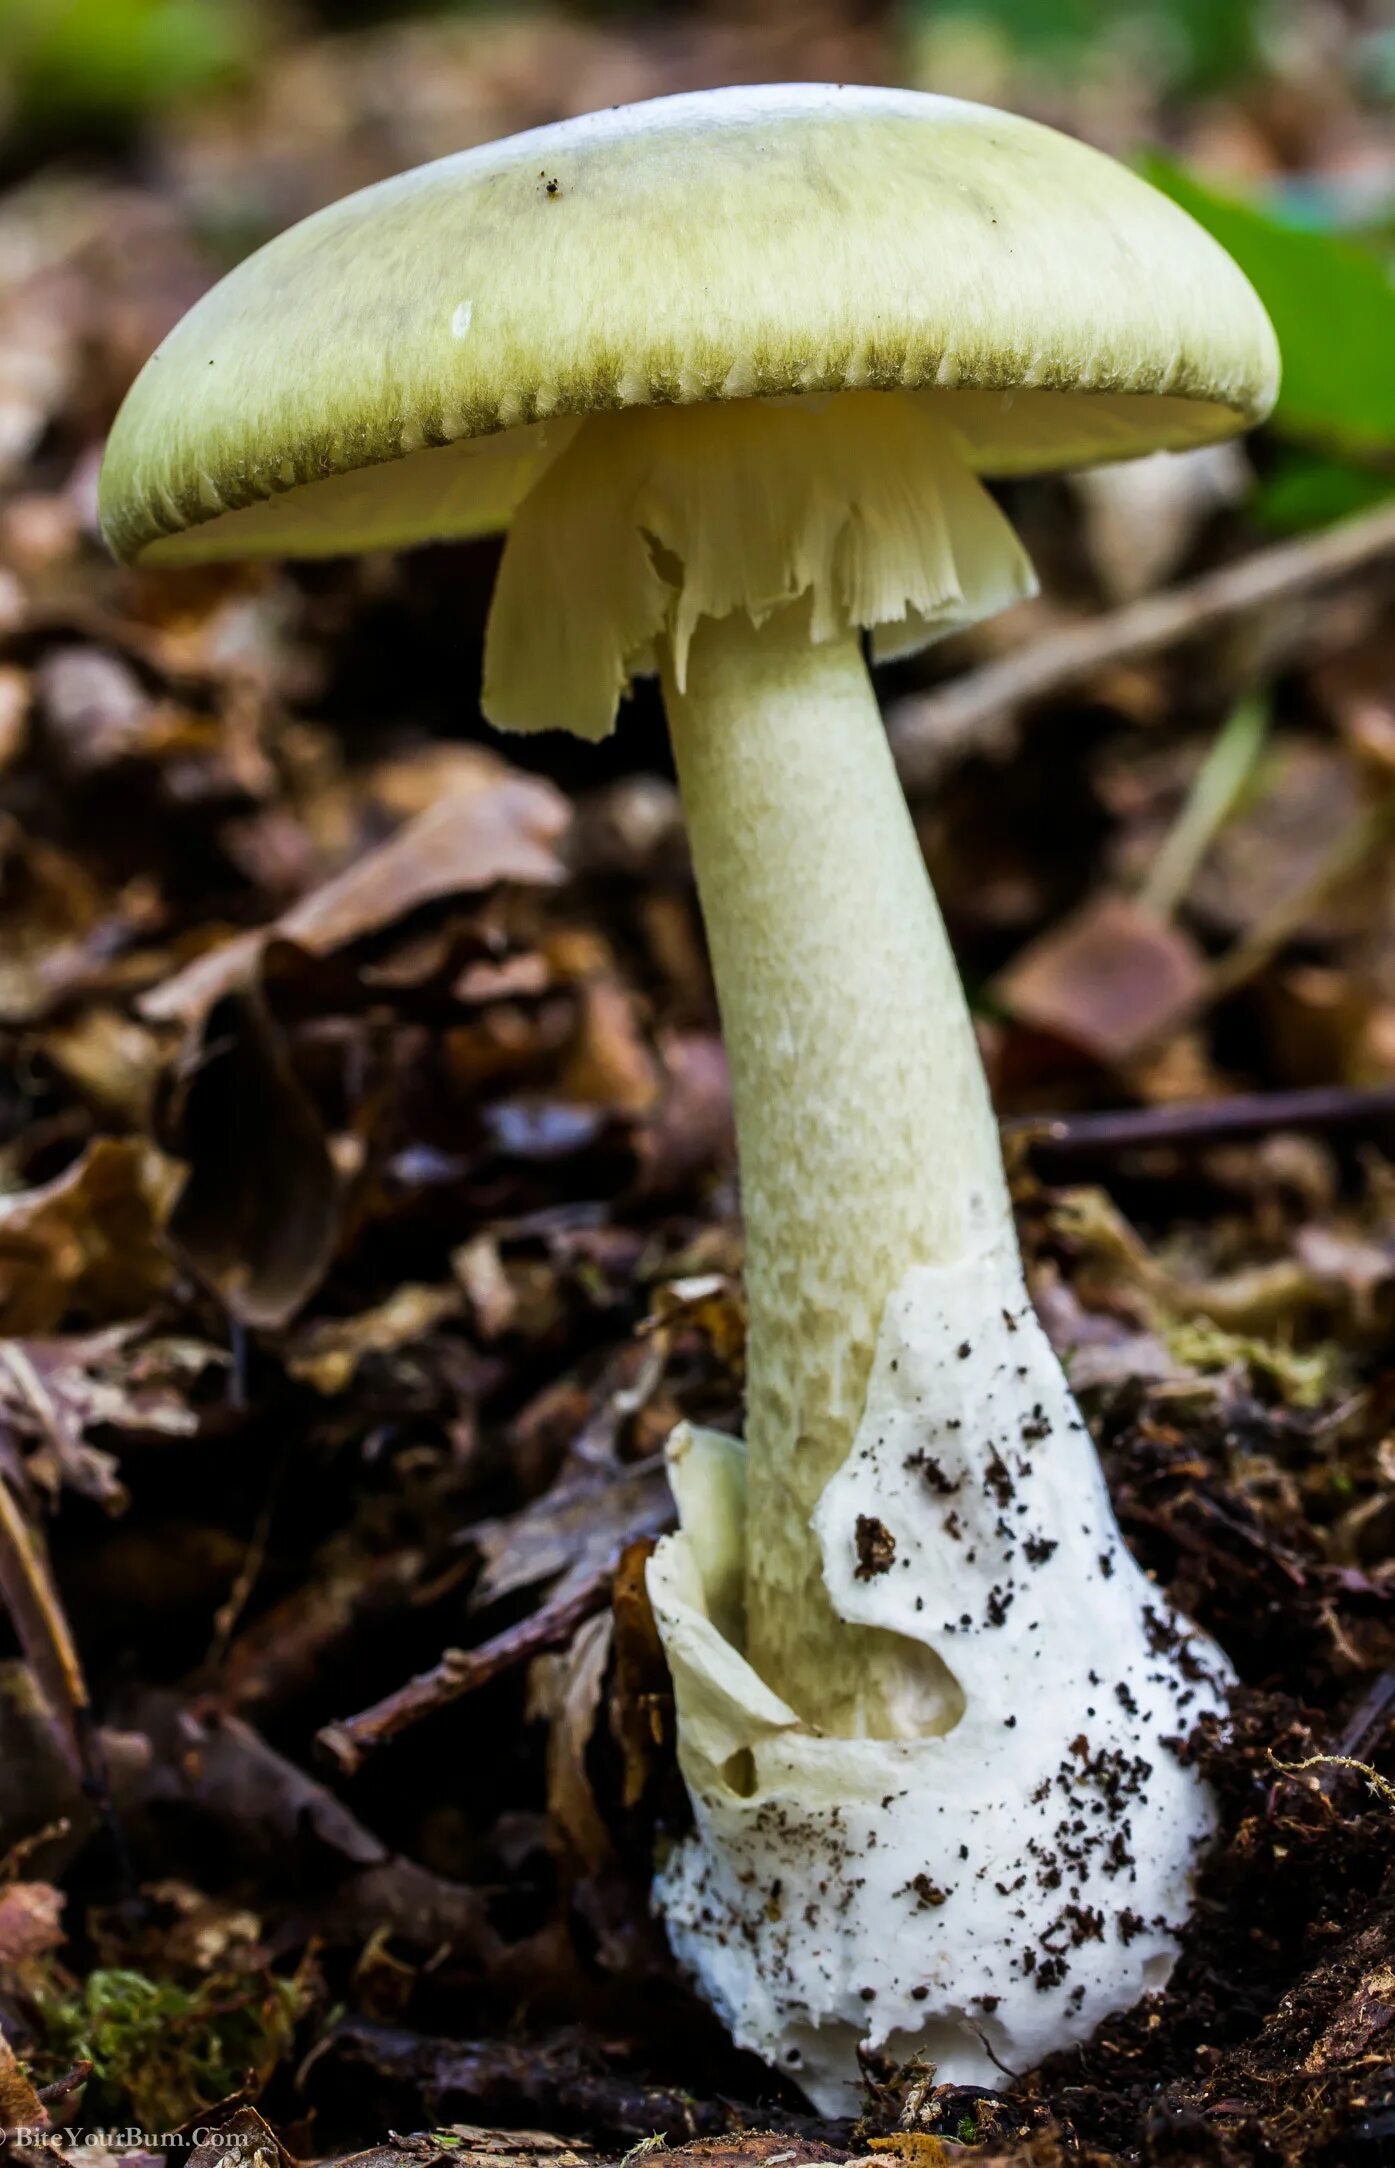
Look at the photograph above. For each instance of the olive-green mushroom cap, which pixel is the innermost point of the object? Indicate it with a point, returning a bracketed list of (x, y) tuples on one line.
[(403, 364)]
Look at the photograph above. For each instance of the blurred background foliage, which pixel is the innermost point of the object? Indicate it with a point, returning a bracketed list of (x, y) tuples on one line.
[(85, 64)]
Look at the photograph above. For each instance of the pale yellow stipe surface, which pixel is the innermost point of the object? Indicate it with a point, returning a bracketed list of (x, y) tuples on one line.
[(740, 548), (868, 1144)]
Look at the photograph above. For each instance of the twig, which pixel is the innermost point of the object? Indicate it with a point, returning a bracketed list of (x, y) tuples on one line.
[(229, 1612), (24, 1848), (1050, 1137), (921, 728), (461, 1671), (43, 1633), (1368, 1720)]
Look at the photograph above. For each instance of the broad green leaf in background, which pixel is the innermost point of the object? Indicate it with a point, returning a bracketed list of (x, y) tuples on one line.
[(1300, 490), (1333, 307), (1195, 45), (112, 57)]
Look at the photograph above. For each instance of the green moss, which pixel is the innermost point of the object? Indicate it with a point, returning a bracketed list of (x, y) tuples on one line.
[(160, 2051), (1303, 1379)]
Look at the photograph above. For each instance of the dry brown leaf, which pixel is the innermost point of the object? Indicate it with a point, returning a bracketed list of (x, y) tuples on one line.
[(565, 1691), (499, 826), (283, 1650), (258, 1215), (44, 1815), (31, 1922), (89, 1243), (51, 906), (113, 1061), (327, 1354), (1274, 847), (609, 1063), (14, 713), (58, 1389), (1099, 1349), (20, 2106), (492, 1295), (691, 1132), (94, 706), (292, 1832), (1112, 980), (37, 1409), (754, 2149), (513, 2148), (641, 1704), (710, 1303), (580, 1526), (233, 2135)]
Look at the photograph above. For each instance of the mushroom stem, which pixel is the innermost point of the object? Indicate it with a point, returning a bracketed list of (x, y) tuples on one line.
[(867, 1141)]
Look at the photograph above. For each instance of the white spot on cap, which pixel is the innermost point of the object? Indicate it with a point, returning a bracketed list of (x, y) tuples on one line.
[(460, 319)]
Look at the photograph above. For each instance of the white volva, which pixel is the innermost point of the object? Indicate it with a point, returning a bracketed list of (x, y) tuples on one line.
[(987, 1892)]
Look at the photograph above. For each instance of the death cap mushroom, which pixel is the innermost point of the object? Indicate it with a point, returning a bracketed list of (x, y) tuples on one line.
[(729, 368)]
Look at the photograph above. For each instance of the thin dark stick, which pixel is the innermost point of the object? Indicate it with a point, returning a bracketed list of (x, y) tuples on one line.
[(240, 1349), (1053, 1137), (1369, 1719), (461, 1671), (42, 1630)]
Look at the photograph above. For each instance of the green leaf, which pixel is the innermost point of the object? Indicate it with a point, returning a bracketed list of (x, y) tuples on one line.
[(1333, 307), (1303, 490), (121, 57), (1188, 45)]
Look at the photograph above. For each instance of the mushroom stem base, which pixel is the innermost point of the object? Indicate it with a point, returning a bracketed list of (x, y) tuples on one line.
[(980, 1898)]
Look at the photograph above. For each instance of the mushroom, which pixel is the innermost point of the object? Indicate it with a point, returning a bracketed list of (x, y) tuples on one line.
[(727, 367)]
